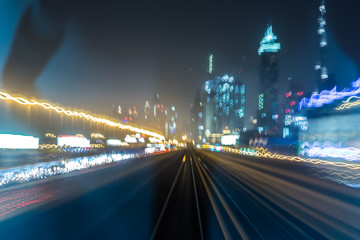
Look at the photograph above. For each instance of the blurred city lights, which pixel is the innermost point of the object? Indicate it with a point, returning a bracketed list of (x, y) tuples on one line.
[(350, 153), (347, 104), (229, 139), (113, 142), (264, 153), (329, 96), (268, 44), (130, 139), (73, 141), (97, 135), (44, 170), (50, 135), (11, 141), (58, 109)]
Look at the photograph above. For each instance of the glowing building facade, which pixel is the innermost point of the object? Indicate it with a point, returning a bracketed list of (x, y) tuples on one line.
[(224, 100), (333, 124), (294, 121), (172, 119), (268, 112)]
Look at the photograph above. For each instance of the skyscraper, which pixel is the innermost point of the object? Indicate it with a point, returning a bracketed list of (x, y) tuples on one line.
[(224, 100), (293, 119), (147, 118), (323, 79), (268, 113), (172, 121), (197, 118), (159, 118)]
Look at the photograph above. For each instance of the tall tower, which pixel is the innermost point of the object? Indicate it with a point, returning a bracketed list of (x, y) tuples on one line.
[(268, 114), (211, 64), (323, 79)]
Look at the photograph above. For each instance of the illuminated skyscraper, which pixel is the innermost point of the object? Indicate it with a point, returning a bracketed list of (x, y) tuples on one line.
[(172, 120), (268, 113), (224, 104), (321, 66)]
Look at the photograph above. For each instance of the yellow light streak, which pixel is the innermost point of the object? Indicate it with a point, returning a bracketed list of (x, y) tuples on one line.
[(50, 135), (49, 147), (97, 145), (50, 107), (348, 105), (97, 135), (55, 146)]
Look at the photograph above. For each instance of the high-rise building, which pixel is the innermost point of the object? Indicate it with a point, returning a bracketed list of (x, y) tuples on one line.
[(294, 121), (172, 120), (116, 111), (147, 118), (197, 119), (132, 115), (159, 118), (147, 110), (268, 109), (323, 79), (224, 100)]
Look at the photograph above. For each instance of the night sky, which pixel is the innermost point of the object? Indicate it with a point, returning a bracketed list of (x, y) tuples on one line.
[(123, 53)]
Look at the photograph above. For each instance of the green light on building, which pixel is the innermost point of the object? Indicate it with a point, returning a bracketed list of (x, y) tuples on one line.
[(261, 101)]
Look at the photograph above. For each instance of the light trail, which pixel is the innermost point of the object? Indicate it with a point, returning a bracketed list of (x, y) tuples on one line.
[(289, 191), (329, 96), (215, 207), (347, 104), (349, 154), (196, 197), (51, 107), (264, 153), (48, 169), (167, 199), (240, 229), (242, 176)]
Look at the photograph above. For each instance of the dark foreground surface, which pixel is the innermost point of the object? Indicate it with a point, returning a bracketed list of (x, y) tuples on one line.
[(188, 194)]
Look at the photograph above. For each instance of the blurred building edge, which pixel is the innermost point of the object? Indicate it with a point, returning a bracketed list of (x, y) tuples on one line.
[(32, 48)]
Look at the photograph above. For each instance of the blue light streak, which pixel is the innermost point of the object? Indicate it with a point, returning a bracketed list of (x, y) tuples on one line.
[(350, 153), (329, 96)]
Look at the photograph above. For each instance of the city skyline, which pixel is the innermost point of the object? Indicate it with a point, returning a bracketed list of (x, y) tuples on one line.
[(234, 49), (208, 120)]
